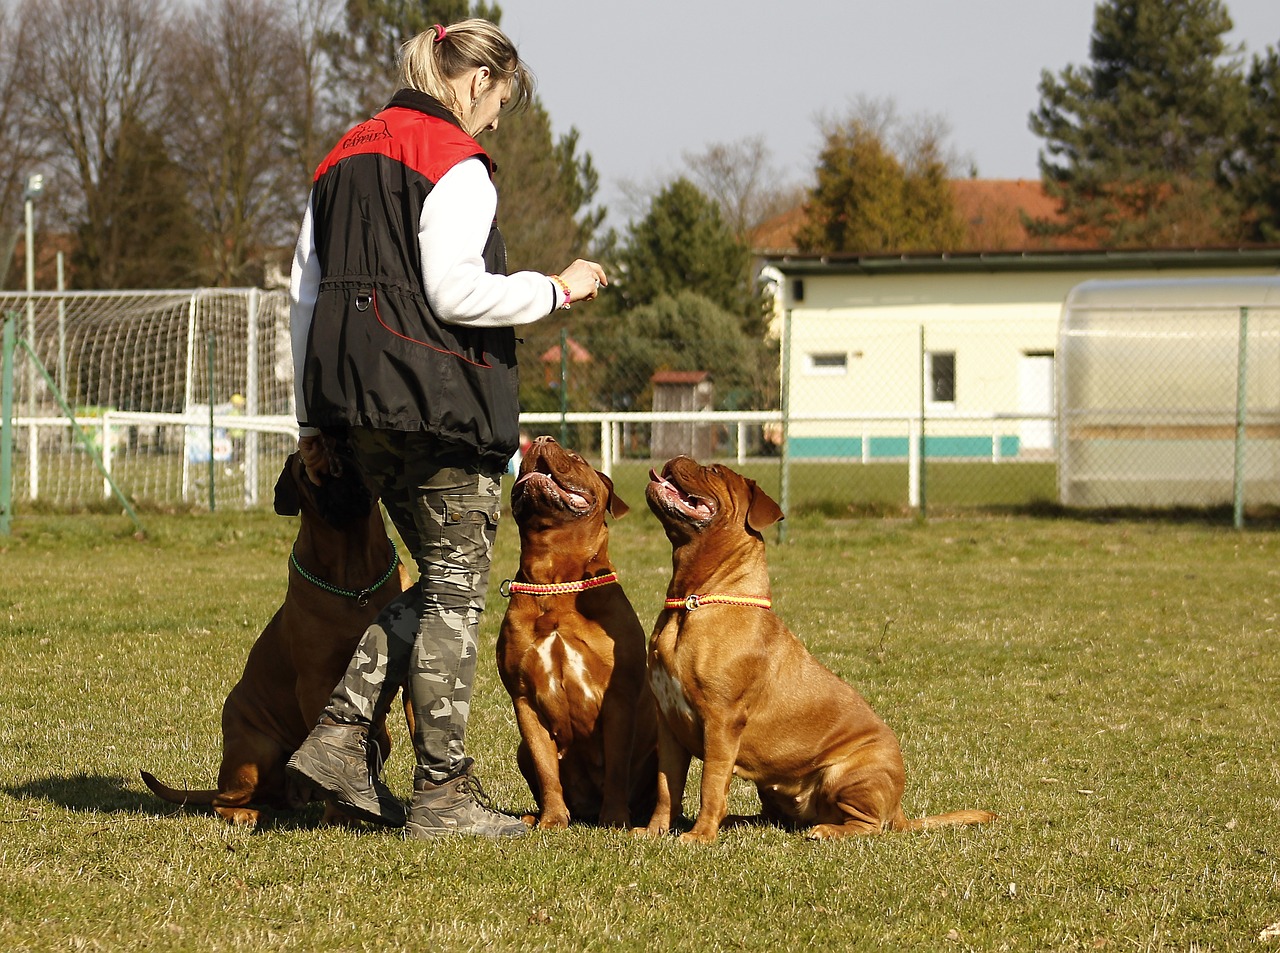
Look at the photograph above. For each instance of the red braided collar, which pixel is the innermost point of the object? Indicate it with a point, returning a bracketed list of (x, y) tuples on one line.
[(510, 586)]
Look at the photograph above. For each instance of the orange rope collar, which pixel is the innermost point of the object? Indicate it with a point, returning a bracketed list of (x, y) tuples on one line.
[(555, 588), (695, 601)]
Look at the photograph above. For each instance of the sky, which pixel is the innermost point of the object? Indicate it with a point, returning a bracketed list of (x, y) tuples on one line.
[(647, 82)]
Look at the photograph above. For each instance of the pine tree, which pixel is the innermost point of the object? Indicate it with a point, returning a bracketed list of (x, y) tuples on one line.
[(1256, 172), (684, 244), (1135, 143), (364, 53), (144, 232), (866, 200)]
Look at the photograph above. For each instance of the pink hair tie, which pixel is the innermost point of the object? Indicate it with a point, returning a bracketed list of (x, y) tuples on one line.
[(440, 31)]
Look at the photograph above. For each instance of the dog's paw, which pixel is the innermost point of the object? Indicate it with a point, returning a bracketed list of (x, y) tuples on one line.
[(697, 837), (557, 821)]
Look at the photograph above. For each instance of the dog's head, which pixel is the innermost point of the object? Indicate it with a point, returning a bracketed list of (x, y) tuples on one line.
[(691, 500), (556, 486), (341, 498)]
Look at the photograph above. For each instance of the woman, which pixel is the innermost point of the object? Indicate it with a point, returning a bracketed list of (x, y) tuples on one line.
[(402, 322)]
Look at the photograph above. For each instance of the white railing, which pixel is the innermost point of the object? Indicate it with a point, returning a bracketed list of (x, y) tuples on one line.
[(106, 430)]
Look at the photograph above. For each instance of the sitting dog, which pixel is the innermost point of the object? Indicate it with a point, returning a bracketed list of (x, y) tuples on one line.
[(343, 569), (737, 689), (571, 652)]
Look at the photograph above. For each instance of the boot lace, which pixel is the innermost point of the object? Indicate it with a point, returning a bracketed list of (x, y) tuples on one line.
[(471, 784)]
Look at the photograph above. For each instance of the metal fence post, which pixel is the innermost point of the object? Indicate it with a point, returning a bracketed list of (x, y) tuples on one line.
[(1242, 402), (916, 453), (213, 465), (564, 386), (784, 405), (6, 423)]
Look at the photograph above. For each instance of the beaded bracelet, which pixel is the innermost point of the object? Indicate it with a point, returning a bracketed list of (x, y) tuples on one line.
[(564, 287)]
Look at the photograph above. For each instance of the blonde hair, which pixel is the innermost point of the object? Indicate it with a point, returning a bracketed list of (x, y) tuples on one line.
[(434, 57)]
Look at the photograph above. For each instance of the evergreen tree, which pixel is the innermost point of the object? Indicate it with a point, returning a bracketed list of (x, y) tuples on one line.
[(144, 232), (1136, 142), (680, 331), (683, 244), (867, 200), (1256, 172), (364, 53)]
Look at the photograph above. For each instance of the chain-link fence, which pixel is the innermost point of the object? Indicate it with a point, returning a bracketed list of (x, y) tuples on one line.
[(1132, 401)]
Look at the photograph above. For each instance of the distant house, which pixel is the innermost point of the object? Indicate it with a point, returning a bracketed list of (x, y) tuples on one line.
[(551, 362), (966, 339)]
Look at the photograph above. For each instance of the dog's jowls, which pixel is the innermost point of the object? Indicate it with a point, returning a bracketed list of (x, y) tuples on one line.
[(737, 689), (303, 651), (572, 657)]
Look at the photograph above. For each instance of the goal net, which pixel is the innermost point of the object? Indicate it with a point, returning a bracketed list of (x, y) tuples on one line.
[(186, 395)]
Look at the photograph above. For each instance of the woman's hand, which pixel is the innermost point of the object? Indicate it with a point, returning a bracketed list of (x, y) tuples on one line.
[(585, 279), (315, 457)]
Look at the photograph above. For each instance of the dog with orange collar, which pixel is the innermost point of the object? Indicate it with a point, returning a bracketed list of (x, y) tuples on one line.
[(736, 688)]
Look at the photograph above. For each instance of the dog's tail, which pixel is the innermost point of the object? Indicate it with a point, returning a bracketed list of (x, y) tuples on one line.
[(175, 796), (953, 819)]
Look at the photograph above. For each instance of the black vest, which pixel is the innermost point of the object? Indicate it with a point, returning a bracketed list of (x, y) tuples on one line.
[(377, 356)]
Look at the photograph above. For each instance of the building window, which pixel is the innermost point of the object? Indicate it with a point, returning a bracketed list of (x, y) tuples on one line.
[(797, 289), (941, 368), (827, 362)]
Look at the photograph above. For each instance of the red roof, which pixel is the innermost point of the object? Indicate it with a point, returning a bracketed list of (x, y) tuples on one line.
[(992, 209), (679, 377), (577, 353)]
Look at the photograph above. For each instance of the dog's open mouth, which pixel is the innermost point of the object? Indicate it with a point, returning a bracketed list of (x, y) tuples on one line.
[(697, 508), (542, 479)]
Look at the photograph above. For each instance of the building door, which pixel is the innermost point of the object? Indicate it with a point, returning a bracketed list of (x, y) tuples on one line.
[(1035, 396)]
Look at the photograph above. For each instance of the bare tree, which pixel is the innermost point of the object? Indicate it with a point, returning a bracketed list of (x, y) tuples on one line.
[(917, 141), (19, 146), (231, 74), (89, 74), (739, 177), (312, 119)]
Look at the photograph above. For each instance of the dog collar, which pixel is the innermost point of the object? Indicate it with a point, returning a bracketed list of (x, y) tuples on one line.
[(361, 596), (696, 601), (510, 586)]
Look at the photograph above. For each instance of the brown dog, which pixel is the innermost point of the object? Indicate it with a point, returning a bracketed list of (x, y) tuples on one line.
[(737, 689), (342, 571), (571, 651)]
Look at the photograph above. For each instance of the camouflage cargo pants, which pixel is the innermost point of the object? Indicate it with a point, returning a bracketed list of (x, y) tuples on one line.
[(425, 639)]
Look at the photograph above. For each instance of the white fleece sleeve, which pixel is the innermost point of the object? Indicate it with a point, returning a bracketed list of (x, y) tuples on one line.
[(452, 232), (304, 285)]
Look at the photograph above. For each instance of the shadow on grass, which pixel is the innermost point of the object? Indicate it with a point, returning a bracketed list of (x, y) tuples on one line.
[(113, 794)]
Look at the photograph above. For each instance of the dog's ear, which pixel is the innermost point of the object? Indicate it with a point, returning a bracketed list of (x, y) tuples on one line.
[(762, 511), (287, 502), (616, 506)]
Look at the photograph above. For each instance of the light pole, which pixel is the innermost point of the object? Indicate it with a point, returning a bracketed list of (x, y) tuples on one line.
[(35, 185)]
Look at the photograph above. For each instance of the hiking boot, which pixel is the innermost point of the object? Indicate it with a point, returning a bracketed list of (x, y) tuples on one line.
[(457, 806), (340, 760)]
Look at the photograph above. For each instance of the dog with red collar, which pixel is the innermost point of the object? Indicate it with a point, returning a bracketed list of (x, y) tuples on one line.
[(571, 651)]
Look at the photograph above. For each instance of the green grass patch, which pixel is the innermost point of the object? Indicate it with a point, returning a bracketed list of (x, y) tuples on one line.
[(1109, 688)]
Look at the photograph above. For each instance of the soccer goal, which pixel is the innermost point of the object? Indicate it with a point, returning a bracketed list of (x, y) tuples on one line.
[(186, 395)]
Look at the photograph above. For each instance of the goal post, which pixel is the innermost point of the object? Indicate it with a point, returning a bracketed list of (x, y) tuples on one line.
[(185, 392)]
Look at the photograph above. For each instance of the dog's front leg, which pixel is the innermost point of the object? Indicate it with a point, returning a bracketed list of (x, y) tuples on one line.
[(673, 770), (720, 748), (553, 812)]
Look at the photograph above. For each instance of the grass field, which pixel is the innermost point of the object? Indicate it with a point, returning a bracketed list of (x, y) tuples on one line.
[(1109, 688)]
